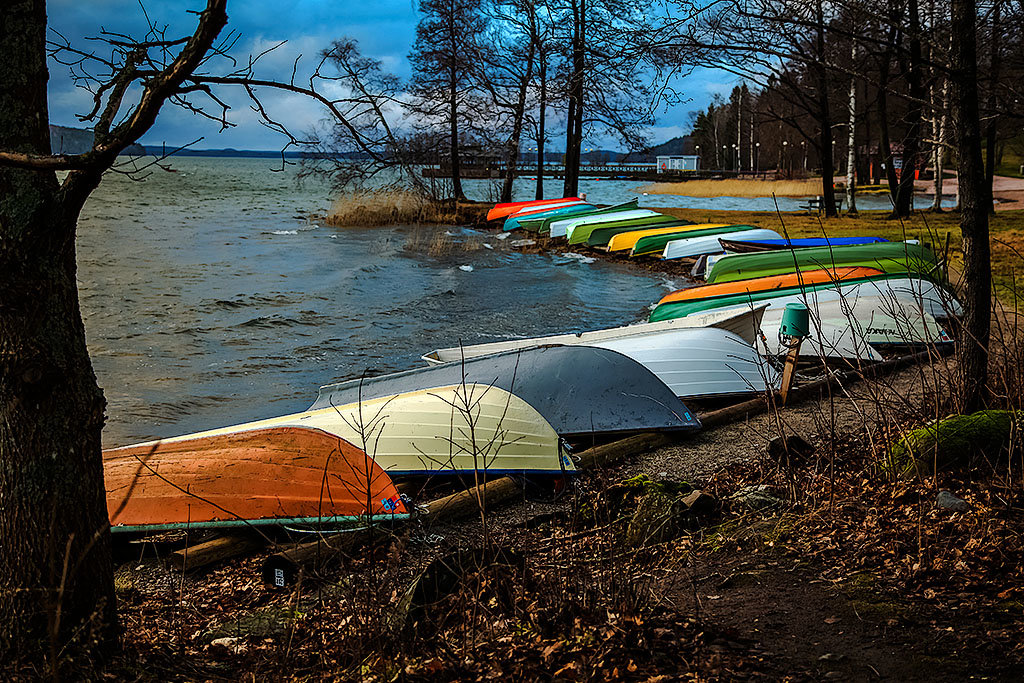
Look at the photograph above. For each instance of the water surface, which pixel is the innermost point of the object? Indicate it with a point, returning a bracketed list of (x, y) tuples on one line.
[(210, 298)]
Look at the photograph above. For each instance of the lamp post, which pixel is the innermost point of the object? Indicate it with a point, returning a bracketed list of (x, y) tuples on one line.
[(757, 158), (698, 158), (725, 157), (803, 144), (735, 158)]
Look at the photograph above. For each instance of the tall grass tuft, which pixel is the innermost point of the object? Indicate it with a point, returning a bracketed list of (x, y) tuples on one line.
[(371, 208)]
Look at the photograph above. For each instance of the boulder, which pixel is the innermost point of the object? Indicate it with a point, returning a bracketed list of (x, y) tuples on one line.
[(757, 497), (947, 501), (950, 443)]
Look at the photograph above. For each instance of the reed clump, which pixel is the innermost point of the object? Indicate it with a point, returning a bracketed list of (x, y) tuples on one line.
[(371, 208), (735, 187)]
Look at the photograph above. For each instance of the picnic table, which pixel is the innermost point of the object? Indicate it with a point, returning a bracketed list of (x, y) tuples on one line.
[(817, 205)]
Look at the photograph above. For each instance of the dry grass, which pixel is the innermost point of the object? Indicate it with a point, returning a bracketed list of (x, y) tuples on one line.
[(389, 207), (733, 187)]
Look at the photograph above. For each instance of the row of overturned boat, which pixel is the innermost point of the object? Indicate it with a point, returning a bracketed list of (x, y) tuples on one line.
[(520, 407)]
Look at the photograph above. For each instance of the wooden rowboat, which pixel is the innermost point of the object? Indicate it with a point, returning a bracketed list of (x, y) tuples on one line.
[(764, 284), (625, 241), (445, 429), (279, 475), (512, 222), (565, 227), (891, 257), (507, 208), (744, 245), (691, 358), (543, 223)]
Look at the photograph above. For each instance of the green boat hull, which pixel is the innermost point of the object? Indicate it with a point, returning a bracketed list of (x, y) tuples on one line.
[(681, 309), (889, 257), (598, 235), (655, 244), (544, 224)]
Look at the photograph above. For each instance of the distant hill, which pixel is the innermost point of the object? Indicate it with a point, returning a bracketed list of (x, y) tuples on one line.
[(64, 140), (159, 150)]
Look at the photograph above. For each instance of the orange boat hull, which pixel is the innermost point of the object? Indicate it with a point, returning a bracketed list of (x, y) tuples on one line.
[(763, 284), (509, 208), (254, 477)]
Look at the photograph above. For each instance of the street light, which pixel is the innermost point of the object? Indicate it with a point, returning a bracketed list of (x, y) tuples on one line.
[(803, 144), (698, 157), (757, 158)]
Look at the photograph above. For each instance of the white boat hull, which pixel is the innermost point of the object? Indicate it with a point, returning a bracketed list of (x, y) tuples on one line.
[(460, 428), (708, 355), (709, 244), (564, 227)]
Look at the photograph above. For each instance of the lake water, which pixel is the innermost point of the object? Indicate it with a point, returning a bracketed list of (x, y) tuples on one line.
[(210, 299)]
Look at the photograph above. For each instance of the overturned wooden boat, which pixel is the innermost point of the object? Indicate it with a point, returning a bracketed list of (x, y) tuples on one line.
[(697, 356), (579, 390), (625, 241), (684, 246), (854, 327), (890, 257), (513, 221), (926, 294), (767, 284), (276, 475), (508, 208), (565, 227), (655, 244), (737, 244), (600, 234), (543, 224), (446, 428)]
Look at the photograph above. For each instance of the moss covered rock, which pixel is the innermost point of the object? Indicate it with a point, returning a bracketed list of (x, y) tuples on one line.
[(951, 442)]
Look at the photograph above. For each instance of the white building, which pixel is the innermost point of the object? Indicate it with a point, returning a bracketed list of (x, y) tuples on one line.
[(678, 162)]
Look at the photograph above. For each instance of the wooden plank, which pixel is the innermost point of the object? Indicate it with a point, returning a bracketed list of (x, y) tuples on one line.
[(222, 547)]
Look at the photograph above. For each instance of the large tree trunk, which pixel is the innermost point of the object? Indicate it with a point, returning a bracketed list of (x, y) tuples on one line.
[(57, 594), (904, 203), (992, 126), (972, 349), (453, 114), (541, 133), (574, 131), (851, 142), (884, 144), (512, 149), (828, 190)]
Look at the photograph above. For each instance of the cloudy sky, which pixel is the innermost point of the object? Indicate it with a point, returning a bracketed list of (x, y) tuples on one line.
[(383, 28)]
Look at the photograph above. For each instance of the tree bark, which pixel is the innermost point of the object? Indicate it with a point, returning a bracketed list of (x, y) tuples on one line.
[(512, 149), (828, 190), (574, 129), (57, 595), (851, 143), (972, 346), (992, 126), (453, 111), (884, 144), (904, 202), (541, 133)]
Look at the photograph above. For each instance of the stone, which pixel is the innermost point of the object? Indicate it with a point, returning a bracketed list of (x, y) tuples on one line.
[(790, 451), (947, 501), (757, 497), (951, 442), (699, 503), (232, 646)]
